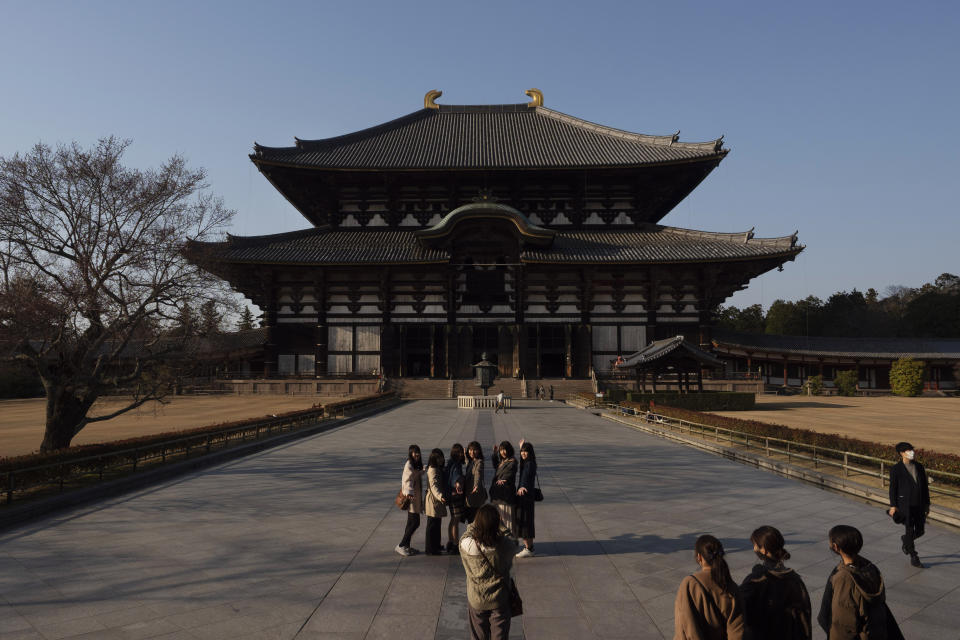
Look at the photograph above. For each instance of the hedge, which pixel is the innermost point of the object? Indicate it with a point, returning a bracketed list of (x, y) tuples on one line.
[(931, 460), (705, 401)]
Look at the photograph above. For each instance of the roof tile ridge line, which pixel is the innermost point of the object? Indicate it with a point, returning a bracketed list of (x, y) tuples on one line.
[(314, 145), (664, 141), (285, 235), (743, 237)]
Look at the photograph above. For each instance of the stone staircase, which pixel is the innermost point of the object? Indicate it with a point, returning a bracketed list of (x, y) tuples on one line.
[(562, 387), (510, 386), (421, 388), (438, 388)]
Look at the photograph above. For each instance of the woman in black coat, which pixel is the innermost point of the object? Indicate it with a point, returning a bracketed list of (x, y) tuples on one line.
[(909, 499), (526, 483), (503, 489)]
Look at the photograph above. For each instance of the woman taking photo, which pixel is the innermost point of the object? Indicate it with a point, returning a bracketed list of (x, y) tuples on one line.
[(474, 489), (455, 499), (708, 605), (775, 600), (503, 490), (526, 483), (486, 551), (411, 485), (434, 504)]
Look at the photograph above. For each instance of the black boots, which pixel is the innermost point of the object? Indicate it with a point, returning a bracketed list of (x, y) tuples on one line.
[(915, 560)]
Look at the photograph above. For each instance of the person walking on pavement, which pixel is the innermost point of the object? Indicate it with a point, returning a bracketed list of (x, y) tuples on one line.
[(500, 404), (909, 499), (854, 605)]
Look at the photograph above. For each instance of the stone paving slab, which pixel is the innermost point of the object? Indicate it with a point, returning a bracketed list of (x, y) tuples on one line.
[(297, 542)]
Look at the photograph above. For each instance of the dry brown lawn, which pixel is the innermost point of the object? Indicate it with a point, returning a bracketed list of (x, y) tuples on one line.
[(21, 421), (928, 423)]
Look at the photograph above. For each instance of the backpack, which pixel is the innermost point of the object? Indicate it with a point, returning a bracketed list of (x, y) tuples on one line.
[(786, 594)]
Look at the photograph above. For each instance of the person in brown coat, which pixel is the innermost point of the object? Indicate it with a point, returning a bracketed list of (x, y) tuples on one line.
[(854, 605), (708, 604)]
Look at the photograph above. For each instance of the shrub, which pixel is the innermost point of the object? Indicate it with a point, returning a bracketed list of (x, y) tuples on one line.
[(906, 377), (706, 401), (846, 382), (931, 460), (815, 385)]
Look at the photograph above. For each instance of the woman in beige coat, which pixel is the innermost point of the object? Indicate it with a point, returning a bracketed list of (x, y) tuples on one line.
[(434, 506), (708, 604), (411, 484)]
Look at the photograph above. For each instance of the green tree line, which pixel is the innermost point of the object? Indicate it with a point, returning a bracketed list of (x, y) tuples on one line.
[(929, 311)]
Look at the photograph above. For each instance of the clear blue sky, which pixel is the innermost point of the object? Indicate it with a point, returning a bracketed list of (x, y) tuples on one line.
[(843, 118)]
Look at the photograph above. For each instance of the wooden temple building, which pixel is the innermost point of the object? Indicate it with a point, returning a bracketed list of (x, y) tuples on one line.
[(513, 229)]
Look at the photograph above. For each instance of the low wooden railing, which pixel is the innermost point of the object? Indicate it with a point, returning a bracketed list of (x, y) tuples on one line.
[(848, 462), (58, 477)]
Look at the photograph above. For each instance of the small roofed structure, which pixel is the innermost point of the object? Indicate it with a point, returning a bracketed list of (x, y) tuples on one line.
[(670, 357)]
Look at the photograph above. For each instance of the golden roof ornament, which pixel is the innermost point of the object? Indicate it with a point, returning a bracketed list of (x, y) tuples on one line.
[(428, 100), (537, 97)]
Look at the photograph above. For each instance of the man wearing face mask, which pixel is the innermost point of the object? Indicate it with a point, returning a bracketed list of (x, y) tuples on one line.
[(909, 499)]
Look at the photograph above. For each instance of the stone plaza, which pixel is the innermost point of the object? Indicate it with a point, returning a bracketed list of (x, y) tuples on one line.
[(297, 541)]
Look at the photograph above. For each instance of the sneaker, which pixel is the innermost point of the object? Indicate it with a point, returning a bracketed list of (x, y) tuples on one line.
[(404, 551), (412, 552), (526, 553), (915, 561)]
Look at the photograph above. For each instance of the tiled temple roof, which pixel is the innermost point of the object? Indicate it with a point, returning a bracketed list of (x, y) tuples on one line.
[(662, 348), (651, 244), (883, 348), (511, 136)]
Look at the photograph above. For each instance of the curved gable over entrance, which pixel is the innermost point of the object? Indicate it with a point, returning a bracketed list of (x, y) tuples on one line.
[(482, 220)]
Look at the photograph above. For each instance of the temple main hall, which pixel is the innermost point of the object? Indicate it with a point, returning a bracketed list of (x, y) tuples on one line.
[(513, 230)]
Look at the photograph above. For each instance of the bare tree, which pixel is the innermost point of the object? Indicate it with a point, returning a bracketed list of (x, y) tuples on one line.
[(92, 264)]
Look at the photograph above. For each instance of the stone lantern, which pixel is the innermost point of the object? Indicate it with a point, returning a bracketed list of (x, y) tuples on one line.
[(485, 373)]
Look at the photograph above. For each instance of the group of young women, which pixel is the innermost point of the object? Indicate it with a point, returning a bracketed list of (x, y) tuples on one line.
[(771, 602), (456, 487)]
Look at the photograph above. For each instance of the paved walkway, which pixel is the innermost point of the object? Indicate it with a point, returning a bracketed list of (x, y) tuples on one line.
[(297, 542)]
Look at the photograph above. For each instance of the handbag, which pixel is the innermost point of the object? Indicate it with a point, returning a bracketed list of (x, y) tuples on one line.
[(537, 493), (402, 500), (516, 602)]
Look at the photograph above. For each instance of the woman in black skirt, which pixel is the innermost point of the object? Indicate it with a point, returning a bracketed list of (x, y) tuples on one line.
[(503, 489), (526, 483), (455, 499)]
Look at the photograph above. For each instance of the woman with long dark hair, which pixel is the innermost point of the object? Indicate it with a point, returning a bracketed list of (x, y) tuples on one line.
[(503, 490), (775, 600), (526, 483), (486, 551), (411, 484), (708, 604), (453, 474), (474, 488), (434, 505)]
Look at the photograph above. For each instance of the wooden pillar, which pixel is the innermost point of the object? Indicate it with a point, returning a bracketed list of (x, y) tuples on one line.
[(447, 356), (432, 370), (654, 380), (402, 366), (567, 351), (538, 352), (517, 367), (784, 372)]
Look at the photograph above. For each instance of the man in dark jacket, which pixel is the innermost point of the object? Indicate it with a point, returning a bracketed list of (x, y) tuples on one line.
[(909, 499)]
